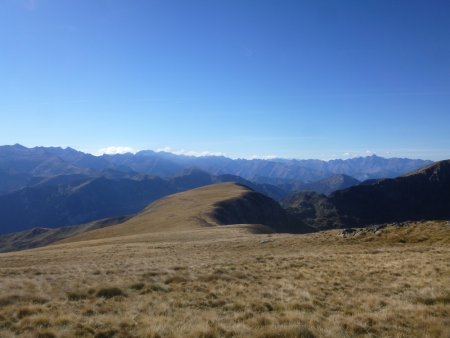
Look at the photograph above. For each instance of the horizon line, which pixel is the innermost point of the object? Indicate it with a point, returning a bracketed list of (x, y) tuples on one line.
[(196, 154)]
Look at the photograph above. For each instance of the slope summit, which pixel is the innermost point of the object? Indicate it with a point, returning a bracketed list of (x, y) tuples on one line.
[(210, 206)]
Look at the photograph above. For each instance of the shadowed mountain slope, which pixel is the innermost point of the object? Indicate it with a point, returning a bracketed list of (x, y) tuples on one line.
[(423, 194), (312, 209), (38, 237), (210, 206), (80, 201), (330, 184)]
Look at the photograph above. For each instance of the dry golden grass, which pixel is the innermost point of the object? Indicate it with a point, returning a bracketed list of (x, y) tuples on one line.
[(225, 282), (183, 211)]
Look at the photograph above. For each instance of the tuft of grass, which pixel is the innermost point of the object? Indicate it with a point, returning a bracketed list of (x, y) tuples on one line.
[(76, 295), (106, 334), (28, 311), (176, 279), (213, 330), (20, 299), (434, 300), (110, 292), (301, 307), (137, 286), (158, 287), (286, 332), (46, 334)]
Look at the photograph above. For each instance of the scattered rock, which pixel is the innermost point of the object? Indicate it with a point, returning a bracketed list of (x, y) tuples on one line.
[(348, 232), (375, 229)]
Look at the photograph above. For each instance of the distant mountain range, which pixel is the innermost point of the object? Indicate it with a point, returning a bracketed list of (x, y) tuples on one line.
[(21, 166), (72, 199), (54, 187), (421, 195)]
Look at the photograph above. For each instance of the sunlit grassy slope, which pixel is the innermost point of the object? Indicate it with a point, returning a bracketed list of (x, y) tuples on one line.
[(226, 282), (188, 210)]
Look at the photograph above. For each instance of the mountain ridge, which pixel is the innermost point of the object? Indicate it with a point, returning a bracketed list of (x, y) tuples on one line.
[(214, 205), (65, 200), (420, 195), (38, 237), (23, 164), (330, 184)]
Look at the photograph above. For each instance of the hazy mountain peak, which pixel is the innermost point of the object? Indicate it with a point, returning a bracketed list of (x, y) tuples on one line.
[(17, 146), (146, 153)]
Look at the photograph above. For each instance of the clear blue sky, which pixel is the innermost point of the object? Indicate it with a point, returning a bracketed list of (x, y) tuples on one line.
[(302, 79)]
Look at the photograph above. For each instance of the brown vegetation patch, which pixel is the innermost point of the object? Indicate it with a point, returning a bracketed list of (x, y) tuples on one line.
[(109, 292), (224, 283), (77, 295)]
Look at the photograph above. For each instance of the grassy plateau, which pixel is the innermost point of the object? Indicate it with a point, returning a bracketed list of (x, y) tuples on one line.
[(226, 281)]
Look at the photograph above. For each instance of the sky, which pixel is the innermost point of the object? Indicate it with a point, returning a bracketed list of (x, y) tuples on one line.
[(242, 78)]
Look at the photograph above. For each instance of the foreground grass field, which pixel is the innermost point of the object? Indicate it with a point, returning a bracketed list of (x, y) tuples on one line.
[(226, 282)]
